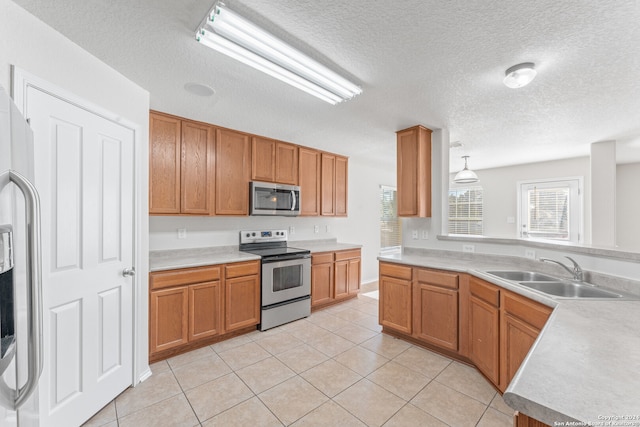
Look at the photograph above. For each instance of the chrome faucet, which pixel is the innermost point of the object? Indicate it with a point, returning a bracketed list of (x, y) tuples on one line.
[(576, 271)]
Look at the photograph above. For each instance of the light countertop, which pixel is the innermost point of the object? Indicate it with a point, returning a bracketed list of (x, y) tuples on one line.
[(583, 366), (195, 257)]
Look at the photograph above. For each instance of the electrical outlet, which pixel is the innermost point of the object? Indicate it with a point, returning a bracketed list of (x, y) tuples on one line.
[(414, 234), (327, 229), (182, 233), (316, 229), (530, 253), (425, 234), (468, 248), (292, 230), (511, 220)]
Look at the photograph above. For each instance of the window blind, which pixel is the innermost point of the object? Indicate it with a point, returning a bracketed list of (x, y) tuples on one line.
[(466, 211), (548, 212), (390, 225)]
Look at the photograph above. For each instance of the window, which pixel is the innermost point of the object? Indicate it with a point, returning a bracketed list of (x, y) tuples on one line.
[(551, 209), (390, 225), (465, 210)]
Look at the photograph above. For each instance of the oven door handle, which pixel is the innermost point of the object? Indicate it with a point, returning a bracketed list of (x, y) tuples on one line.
[(281, 258)]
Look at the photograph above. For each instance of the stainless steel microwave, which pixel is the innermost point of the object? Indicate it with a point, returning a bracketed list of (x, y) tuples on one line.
[(267, 198)]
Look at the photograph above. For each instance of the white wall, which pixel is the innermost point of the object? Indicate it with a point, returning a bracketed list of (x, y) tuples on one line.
[(33, 46), (361, 227), (628, 207)]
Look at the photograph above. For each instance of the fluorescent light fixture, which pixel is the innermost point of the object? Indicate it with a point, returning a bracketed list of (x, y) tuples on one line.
[(465, 176), (227, 32), (519, 75)]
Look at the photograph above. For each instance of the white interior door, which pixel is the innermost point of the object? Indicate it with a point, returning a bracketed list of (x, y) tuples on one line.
[(84, 171)]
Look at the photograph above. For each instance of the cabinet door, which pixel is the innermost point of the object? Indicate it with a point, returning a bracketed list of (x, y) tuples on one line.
[(517, 338), (353, 277), (395, 304), (328, 184), (286, 169), (242, 302), (436, 315), (483, 337), (233, 170), (197, 168), (321, 283), (341, 287), (164, 164), (263, 159), (168, 318), (414, 172), (341, 185), (204, 310), (309, 181)]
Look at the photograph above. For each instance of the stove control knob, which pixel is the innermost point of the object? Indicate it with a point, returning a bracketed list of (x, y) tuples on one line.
[(253, 234), (248, 234)]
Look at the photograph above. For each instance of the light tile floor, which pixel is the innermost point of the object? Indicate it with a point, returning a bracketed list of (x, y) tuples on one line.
[(334, 368)]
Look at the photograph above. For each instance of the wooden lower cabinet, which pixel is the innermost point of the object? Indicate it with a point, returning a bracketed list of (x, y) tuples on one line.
[(169, 318), (335, 276), (484, 328), (242, 302), (522, 420), (204, 310), (520, 324), (321, 279), (462, 315), (435, 308), (196, 305), (395, 299)]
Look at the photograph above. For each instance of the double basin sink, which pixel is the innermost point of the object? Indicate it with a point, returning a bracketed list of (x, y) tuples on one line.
[(554, 286)]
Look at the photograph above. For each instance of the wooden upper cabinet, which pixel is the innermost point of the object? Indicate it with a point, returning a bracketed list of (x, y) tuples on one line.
[(164, 164), (309, 181), (263, 159), (414, 172), (286, 163), (197, 165), (274, 161), (341, 185), (233, 172), (328, 184)]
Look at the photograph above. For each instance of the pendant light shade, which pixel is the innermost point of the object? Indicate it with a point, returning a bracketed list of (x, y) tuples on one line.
[(465, 176)]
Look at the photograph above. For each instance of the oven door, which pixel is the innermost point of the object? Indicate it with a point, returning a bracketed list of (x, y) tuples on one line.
[(285, 280)]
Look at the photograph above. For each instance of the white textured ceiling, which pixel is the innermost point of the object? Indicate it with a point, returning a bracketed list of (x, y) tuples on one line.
[(435, 63)]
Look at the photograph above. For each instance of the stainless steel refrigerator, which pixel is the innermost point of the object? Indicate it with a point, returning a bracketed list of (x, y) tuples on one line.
[(21, 357)]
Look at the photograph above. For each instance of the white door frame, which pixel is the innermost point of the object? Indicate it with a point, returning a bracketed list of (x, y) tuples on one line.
[(22, 80)]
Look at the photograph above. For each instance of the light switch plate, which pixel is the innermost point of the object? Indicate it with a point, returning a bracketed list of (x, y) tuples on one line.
[(530, 253), (425, 234), (182, 233), (468, 248), (316, 229)]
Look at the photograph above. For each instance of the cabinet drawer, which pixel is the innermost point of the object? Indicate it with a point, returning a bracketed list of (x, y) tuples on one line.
[(485, 291), (323, 258), (355, 253), (438, 278), (242, 269), (395, 270), (525, 309), (185, 276)]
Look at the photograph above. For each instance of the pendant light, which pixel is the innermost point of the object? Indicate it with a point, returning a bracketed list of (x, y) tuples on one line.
[(465, 176)]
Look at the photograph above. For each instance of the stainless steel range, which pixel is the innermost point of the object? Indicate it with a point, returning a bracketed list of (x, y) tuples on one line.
[(286, 276)]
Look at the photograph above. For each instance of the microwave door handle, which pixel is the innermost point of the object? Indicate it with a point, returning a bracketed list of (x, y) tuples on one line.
[(293, 200), (34, 288)]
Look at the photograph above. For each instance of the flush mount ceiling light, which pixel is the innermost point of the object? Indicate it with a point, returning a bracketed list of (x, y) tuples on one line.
[(227, 32), (465, 176), (520, 75)]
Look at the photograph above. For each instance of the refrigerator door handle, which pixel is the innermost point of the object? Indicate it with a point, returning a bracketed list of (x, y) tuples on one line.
[(34, 288)]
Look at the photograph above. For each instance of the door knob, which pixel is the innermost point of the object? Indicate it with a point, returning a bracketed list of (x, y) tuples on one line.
[(129, 272)]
